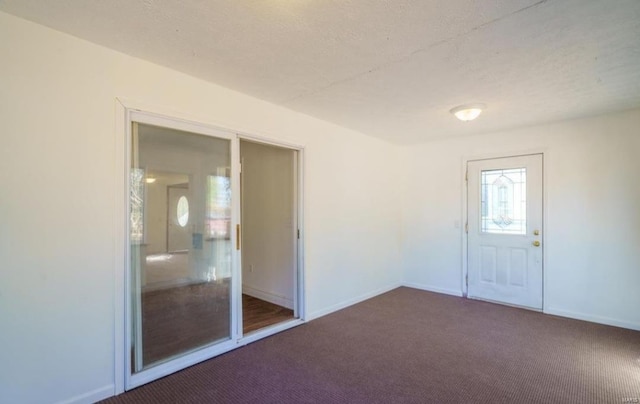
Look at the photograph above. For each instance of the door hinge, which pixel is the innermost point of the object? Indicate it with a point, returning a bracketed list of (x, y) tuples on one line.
[(466, 279), (466, 227), (466, 175), (298, 234)]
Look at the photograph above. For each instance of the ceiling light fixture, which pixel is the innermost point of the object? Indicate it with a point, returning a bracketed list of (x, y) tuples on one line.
[(468, 112), (150, 180)]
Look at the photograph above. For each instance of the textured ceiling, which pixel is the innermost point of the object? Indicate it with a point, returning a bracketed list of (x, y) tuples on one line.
[(390, 69)]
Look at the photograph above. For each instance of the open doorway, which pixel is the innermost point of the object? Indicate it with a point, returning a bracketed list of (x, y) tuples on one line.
[(269, 209)]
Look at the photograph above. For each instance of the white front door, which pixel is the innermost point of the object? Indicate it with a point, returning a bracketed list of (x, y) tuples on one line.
[(504, 243)]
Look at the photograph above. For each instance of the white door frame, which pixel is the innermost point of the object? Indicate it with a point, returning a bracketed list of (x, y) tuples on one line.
[(136, 379), (465, 208), (299, 282), (125, 111)]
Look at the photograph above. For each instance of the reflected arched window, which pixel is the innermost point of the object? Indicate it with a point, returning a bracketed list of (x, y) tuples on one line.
[(182, 211)]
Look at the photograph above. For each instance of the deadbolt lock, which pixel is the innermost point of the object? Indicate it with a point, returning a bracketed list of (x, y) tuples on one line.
[(536, 232), (536, 243)]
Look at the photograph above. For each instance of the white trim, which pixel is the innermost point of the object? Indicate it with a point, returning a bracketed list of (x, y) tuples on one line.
[(351, 302), (301, 287), (268, 141), (181, 362), (91, 396), (592, 318), (503, 154), (429, 288), (517, 306), (153, 118), (545, 227), (549, 311), (464, 227), (236, 253), (120, 254), (296, 240), (268, 331), (268, 297), (233, 127)]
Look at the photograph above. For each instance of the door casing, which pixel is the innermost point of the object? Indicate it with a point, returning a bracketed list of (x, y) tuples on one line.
[(298, 290)]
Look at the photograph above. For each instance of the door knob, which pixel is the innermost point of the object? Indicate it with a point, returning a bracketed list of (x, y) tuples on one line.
[(536, 232), (536, 243)]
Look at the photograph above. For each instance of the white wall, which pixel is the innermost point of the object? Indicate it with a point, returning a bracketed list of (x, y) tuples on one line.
[(268, 223), (592, 228), (57, 206)]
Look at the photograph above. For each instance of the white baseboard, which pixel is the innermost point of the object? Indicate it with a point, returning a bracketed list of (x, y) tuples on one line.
[(591, 318), (351, 302), (550, 310), (429, 288), (268, 297), (91, 396)]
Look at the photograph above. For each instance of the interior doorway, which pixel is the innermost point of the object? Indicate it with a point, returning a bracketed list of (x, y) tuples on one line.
[(504, 230), (269, 216)]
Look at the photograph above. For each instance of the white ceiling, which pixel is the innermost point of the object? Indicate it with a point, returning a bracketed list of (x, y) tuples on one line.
[(391, 69)]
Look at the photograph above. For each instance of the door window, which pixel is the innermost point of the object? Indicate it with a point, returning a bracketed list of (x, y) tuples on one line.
[(503, 202)]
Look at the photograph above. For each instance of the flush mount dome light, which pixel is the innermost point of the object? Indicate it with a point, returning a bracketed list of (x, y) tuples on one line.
[(468, 112)]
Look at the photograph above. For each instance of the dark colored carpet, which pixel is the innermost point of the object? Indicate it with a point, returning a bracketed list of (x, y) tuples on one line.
[(411, 346)]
